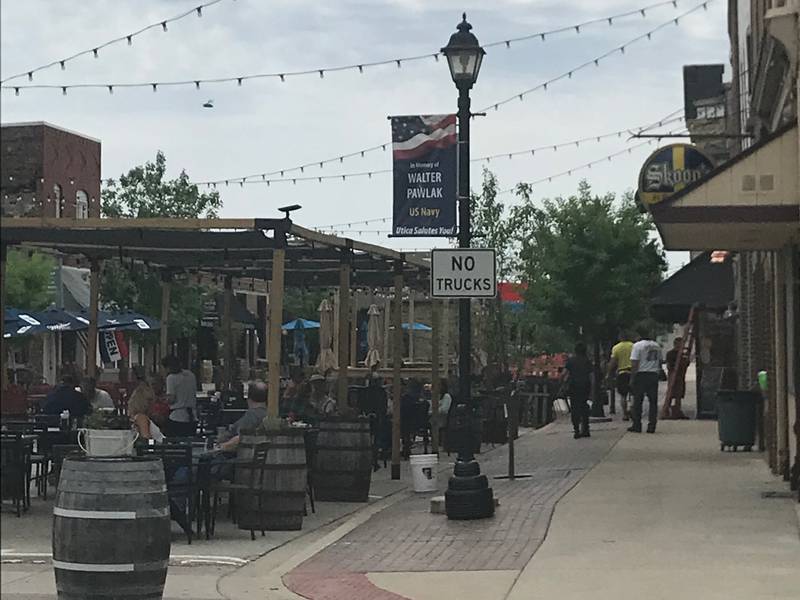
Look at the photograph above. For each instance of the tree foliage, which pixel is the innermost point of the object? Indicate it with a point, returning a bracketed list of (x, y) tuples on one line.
[(590, 261), (28, 281), (145, 193)]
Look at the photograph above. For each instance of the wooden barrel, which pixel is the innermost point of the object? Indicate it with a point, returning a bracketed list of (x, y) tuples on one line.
[(343, 461), (111, 529), (283, 487)]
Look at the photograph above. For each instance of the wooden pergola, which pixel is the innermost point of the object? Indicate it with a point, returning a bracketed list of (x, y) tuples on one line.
[(273, 250)]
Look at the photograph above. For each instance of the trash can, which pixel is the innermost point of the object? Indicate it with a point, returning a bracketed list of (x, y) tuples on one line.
[(424, 471), (736, 418)]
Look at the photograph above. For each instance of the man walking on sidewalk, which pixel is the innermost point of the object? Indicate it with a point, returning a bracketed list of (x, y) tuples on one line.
[(619, 371), (645, 368), (577, 375)]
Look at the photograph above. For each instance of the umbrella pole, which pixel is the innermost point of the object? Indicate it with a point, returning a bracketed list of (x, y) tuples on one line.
[(94, 297), (345, 269), (4, 377), (411, 323), (397, 364), (275, 322), (436, 392)]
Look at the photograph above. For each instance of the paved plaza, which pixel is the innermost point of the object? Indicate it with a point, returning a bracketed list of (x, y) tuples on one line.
[(616, 516)]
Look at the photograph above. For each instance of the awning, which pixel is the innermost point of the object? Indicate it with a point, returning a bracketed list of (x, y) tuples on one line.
[(752, 202), (703, 281)]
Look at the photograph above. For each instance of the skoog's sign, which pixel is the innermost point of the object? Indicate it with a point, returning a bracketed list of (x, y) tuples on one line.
[(669, 170), (424, 153)]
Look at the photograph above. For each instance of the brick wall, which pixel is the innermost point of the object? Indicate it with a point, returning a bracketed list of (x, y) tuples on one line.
[(36, 158)]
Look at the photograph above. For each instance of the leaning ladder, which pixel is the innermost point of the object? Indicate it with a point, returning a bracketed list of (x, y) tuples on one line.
[(669, 411)]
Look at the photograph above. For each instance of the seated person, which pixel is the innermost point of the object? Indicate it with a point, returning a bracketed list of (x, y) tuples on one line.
[(295, 394), (252, 418), (99, 399), (321, 404), (139, 408), (66, 397)]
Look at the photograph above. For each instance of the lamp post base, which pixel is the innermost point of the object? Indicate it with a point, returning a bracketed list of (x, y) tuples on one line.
[(468, 494)]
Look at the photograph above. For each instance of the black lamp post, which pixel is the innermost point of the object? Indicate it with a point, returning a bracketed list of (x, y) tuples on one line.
[(464, 56), (468, 495)]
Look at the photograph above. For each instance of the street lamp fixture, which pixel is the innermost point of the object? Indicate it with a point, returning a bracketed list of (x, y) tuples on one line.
[(464, 55), (468, 495)]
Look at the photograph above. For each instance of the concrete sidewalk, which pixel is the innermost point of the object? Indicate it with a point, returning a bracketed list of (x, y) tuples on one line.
[(669, 516)]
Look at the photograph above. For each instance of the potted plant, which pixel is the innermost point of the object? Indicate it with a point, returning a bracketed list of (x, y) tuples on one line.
[(107, 434)]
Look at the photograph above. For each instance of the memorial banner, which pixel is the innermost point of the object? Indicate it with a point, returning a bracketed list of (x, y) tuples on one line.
[(424, 153)]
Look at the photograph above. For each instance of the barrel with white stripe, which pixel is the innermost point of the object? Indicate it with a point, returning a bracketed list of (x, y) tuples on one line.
[(111, 529)]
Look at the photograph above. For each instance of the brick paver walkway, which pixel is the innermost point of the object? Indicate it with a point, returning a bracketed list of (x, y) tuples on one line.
[(407, 537)]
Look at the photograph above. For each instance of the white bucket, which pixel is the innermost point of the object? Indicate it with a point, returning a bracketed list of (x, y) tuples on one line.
[(107, 442), (424, 470)]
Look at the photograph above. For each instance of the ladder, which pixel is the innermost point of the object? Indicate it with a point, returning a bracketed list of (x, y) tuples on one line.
[(669, 411)]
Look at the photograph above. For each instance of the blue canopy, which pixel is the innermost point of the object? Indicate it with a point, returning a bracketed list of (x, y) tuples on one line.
[(417, 327), (300, 324)]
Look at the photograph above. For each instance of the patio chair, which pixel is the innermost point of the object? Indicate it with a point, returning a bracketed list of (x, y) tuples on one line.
[(250, 473), (179, 475), (14, 470)]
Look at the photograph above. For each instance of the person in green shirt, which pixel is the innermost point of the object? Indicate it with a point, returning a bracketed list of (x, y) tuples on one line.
[(619, 371)]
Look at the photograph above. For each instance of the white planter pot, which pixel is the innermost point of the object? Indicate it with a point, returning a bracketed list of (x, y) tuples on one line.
[(107, 442)]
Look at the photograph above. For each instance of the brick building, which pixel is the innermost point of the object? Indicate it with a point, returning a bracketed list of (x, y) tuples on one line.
[(750, 205), (48, 171)]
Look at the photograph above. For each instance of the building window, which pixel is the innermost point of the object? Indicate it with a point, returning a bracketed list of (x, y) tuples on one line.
[(57, 199), (81, 205)]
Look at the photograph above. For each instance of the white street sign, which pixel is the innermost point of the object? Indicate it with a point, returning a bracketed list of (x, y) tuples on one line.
[(463, 273)]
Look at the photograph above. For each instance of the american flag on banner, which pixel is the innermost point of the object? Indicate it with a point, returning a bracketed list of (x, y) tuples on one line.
[(424, 159), (414, 136)]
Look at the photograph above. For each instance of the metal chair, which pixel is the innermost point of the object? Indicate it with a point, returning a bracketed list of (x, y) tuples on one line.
[(14, 470), (179, 476), (250, 473)]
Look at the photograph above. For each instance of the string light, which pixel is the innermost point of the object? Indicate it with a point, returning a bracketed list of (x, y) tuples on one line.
[(595, 61), (128, 37), (318, 71), (488, 158), (588, 165)]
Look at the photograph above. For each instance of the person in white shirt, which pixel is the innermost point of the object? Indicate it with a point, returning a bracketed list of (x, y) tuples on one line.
[(645, 368), (181, 390), (99, 399)]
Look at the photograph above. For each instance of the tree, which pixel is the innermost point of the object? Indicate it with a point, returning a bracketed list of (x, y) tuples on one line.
[(490, 229), (145, 193), (590, 262), (29, 279)]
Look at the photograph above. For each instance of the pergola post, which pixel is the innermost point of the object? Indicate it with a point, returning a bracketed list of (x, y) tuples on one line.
[(166, 288), (397, 365), (387, 328), (435, 376), (354, 332), (275, 322), (345, 271), (227, 336), (94, 300), (4, 375)]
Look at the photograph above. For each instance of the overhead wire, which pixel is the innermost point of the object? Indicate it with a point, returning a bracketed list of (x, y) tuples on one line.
[(318, 71), (594, 61), (95, 50)]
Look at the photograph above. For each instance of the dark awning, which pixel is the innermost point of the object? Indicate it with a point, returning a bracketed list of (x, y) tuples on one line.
[(709, 284)]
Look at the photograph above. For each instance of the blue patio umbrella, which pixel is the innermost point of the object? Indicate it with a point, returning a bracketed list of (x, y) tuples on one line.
[(300, 324), (417, 327)]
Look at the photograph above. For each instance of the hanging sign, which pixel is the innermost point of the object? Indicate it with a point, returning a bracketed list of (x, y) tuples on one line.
[(669, 170), (424, 154), (463, 273)]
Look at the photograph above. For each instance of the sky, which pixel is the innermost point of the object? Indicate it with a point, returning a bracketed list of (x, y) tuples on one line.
[(267, 125)]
